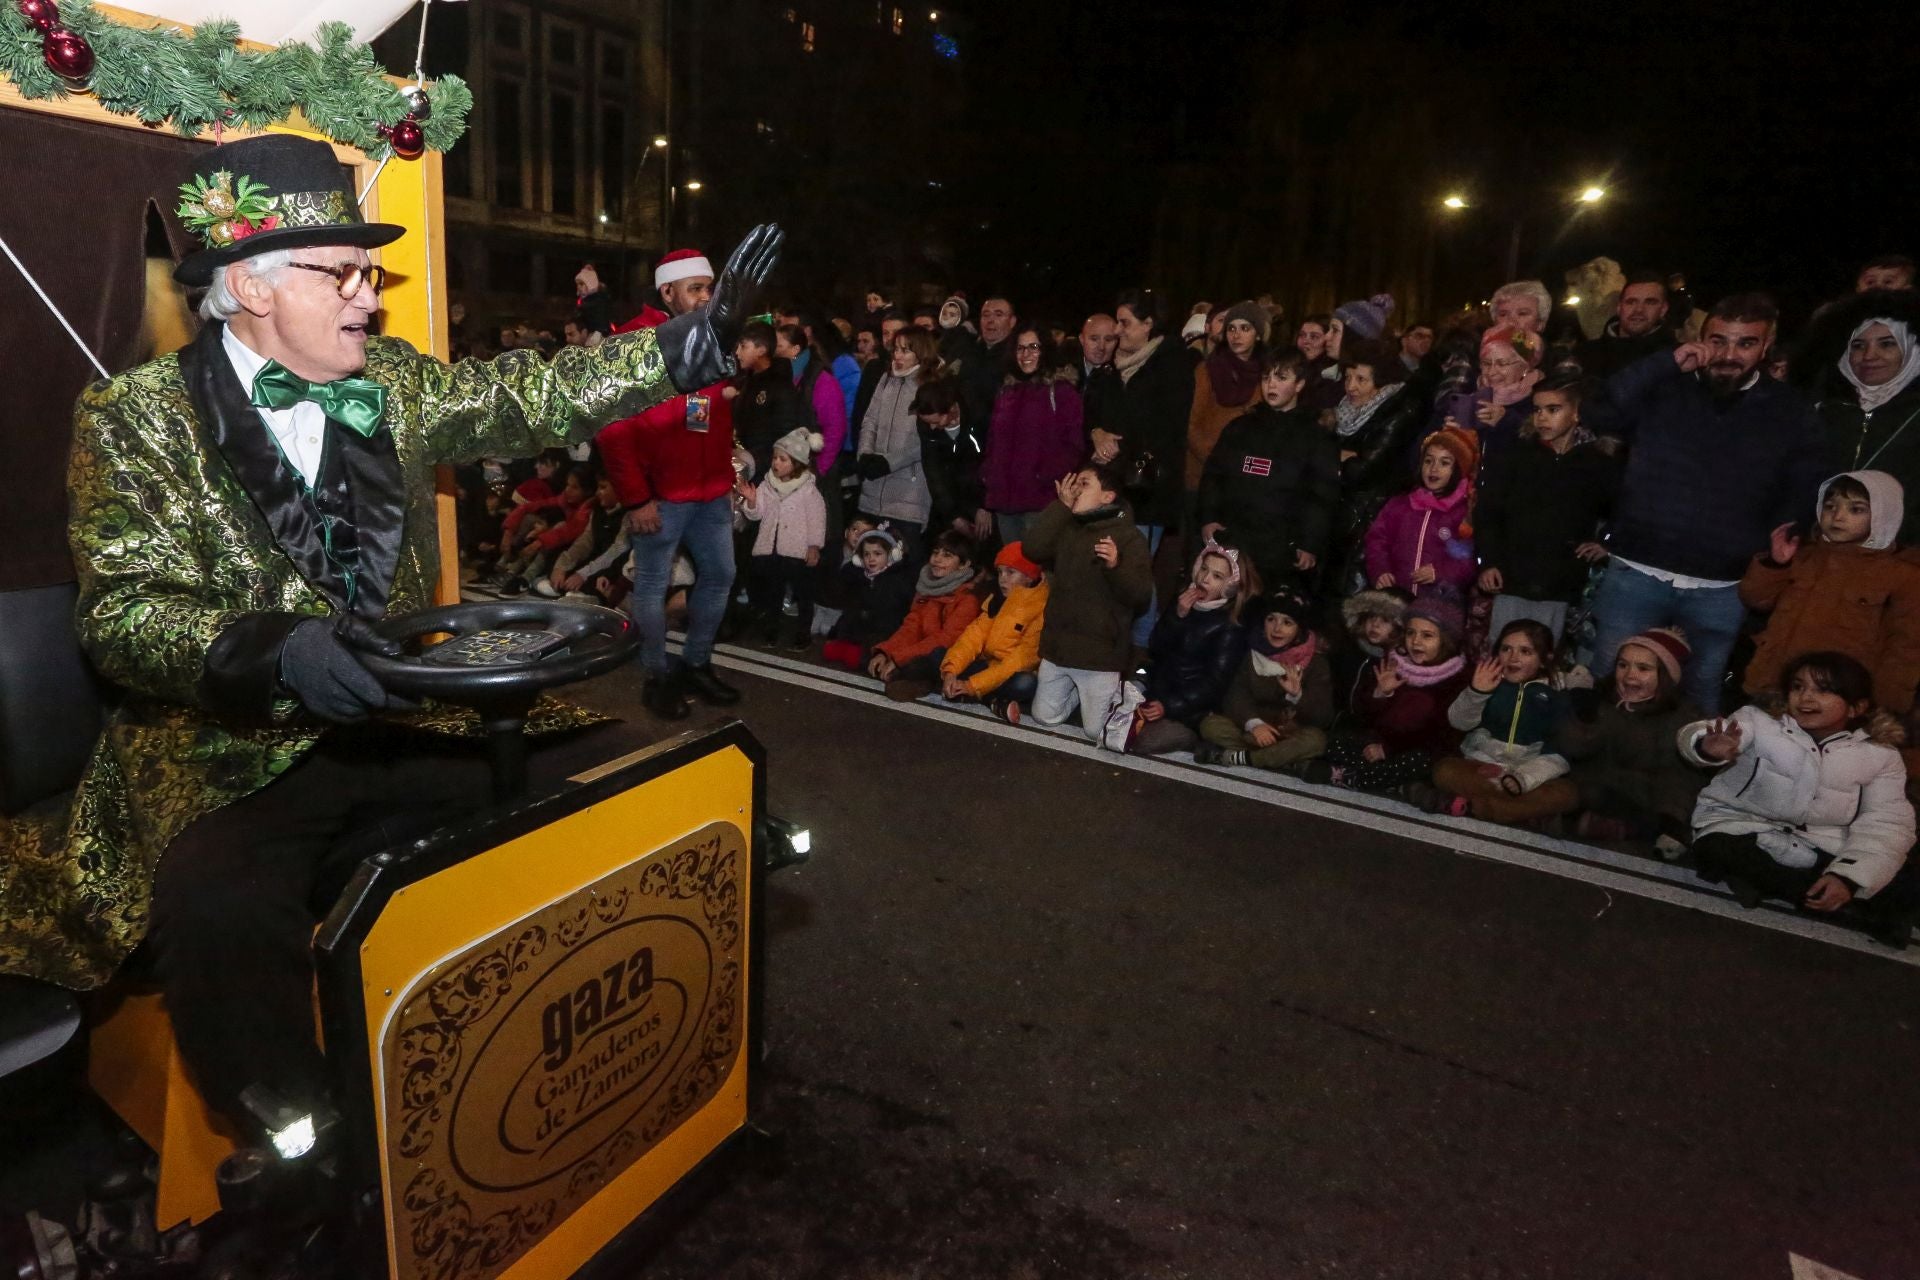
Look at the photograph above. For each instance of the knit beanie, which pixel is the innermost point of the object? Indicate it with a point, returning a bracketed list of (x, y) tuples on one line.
[(1668, 645), (1442, 608), (1013, 557), (1285, 601), (1465, 449), (796, 444), (1253, 313), (1365, 316)]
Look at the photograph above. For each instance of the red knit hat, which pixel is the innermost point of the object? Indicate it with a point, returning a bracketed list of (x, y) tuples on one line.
[(1465, 448), (1012, 557), (1668, 645)]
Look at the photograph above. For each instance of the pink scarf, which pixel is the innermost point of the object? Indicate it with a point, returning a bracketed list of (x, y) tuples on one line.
[(1422, 677), (1425, 499)]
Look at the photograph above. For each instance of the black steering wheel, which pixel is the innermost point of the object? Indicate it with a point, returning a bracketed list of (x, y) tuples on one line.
[(497, 657)]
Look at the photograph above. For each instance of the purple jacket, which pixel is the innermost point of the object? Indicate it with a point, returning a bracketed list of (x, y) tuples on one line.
[(1036, 437), (1415, 529), (829, 412)]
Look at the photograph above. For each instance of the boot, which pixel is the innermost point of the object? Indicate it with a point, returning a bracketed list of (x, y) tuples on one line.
[(708, 687), (663, 698)]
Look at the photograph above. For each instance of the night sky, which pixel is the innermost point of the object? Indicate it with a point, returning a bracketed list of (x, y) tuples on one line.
[(1215, 148)]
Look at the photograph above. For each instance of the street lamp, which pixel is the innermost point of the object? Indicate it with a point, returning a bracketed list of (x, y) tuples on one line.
[(694, 184), (1593, 195), (660, 141), (1455, 202)]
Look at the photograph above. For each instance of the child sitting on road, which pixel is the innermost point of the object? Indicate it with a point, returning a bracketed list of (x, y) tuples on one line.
[(1196, 650), (1628, 784), (1849, 590), (1276, 713), (1400, 706), (1506, 711), (945, 603), (879, 593), (793, 528), (1810, 807), (601, 546), (1102, 577), (1424, 537), (1373, 625), (832, 586), (995, 657)]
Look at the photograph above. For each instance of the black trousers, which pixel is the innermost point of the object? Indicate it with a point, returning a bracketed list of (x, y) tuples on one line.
[(239, 892), (768, 578), (1720, 855)]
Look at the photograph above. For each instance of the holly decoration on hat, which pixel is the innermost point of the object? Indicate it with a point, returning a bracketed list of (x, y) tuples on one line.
[(221, 209)]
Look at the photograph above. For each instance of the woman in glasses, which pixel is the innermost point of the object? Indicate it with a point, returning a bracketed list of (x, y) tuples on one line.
[(1036, 436)]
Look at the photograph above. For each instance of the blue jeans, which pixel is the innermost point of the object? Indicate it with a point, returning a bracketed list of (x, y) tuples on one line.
[(1143, 625), (705, 529), (1629, 602)]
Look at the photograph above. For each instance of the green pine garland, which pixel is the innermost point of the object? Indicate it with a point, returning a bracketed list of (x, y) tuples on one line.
[(204, 79)]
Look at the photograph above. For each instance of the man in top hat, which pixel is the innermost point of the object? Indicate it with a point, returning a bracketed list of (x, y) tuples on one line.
[(242, 511), (672, 467)]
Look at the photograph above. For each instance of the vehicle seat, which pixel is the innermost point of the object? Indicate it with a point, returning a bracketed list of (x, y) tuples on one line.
[(50, 710)]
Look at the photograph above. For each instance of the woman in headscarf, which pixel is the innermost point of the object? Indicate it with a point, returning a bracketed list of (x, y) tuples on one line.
[(1501, 405), (1226, 385), (1862, 356)]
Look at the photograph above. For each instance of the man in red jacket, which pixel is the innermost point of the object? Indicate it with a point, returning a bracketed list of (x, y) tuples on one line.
[(672, 467)]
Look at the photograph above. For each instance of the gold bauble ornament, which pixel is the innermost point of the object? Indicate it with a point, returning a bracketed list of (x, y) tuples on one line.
[(222, 234), (219, 203)]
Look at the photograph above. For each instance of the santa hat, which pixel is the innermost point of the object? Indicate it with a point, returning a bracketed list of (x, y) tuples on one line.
[(1668, 645), (681, 264), (1013, 556)]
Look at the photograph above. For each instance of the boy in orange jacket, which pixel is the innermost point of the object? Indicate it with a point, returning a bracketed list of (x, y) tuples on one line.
[(996, 657)]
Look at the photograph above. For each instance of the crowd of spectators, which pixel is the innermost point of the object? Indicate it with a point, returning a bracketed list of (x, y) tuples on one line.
[(1635, 578)]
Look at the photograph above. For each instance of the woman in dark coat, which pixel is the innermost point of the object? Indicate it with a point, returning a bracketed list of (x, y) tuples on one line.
[(1374, 427), (1861, 359)]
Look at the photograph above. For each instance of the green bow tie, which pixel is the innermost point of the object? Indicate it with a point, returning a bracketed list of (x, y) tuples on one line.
[(355, 403)]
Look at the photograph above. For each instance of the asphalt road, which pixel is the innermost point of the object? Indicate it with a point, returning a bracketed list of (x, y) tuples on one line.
[(1033, 1016)]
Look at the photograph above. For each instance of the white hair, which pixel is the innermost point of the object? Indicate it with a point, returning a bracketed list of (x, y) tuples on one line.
[(220, 302), (1542, 300)]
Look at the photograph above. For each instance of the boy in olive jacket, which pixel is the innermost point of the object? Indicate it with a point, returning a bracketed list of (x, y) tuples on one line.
[(1101, 576)]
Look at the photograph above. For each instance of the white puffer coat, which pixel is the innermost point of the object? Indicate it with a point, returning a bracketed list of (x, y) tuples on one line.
[(1846, 796)]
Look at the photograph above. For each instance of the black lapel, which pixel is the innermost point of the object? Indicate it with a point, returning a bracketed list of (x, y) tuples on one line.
[(237, 431), (379, 511)]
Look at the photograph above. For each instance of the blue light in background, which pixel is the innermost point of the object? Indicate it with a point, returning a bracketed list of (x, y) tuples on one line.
[(945, 46)]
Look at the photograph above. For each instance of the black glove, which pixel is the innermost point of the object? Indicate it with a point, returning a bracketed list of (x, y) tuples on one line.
[(698, 346), (873, 465), (317, 666)]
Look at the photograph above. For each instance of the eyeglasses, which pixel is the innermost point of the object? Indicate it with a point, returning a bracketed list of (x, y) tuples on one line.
[(349, 276), (1029, 346)]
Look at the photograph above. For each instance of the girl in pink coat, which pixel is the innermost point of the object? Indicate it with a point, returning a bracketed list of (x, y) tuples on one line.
[(1424, 537)]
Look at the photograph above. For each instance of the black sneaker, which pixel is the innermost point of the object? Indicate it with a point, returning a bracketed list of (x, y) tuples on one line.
[(514, 586), (708, 687), (663, 698)]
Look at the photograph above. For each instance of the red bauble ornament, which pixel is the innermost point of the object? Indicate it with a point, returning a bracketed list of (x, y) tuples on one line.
[(407, 140), (68, 53), (41, 13)]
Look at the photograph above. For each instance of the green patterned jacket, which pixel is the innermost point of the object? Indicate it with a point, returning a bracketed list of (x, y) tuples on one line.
[(196, 553)]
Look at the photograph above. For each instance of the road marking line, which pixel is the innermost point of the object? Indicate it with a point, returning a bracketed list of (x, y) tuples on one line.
[(1808, 1269), (1642, 877)]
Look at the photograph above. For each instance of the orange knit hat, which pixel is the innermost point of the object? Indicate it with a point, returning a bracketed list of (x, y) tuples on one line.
[(1465, 448)]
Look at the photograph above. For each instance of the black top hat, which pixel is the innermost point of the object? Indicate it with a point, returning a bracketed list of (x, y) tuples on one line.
[(266, 193)]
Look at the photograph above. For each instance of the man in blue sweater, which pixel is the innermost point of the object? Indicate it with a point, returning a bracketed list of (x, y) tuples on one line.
[(1720, 454)]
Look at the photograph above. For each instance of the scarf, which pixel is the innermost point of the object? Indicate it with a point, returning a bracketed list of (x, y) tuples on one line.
[(1128, 365), (786, 488), (1872, 398), (1425, 499), (932, 584), (1268, 661), (1208, 606), (1234, 380), (1422, 677), (1348, 417)]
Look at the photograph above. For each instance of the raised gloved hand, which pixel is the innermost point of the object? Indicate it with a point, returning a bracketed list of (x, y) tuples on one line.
[(698, 346), (872, 466), (318, 666)]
